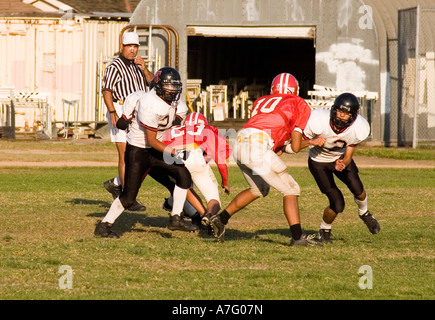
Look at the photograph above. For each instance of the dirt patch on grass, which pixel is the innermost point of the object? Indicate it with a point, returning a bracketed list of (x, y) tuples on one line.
[(298, 160)]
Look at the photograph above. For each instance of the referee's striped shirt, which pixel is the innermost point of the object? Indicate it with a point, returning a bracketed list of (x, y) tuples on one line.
[(122, 77)]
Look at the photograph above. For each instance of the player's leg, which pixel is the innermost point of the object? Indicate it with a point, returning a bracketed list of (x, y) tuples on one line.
[(115, 185), (246, 155), (204, 179), (191, 207), (323, 175), (120, 147), (350, 176), (183, 182), (119, 137), (136, 168), (278, 178)]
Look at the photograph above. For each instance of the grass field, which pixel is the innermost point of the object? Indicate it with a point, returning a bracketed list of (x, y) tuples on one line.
[(48, 214)]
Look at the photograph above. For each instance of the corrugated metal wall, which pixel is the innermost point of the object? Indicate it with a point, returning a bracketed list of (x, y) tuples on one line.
[(60, 58)]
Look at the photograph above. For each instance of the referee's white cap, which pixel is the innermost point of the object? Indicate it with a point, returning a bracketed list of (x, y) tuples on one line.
[(130, 38)]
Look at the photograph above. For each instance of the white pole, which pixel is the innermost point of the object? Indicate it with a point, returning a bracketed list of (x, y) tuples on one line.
[(417, 80)]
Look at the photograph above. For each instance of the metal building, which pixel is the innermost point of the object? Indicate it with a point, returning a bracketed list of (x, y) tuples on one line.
[(364, 46), (51, 62), (227, 51)]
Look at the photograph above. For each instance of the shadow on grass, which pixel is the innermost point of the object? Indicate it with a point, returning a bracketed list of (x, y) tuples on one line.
[(128, 221), (100, 203), (262, 235)]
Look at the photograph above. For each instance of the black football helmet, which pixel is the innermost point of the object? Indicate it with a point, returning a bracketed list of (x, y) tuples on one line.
[(167, 82), (347, 103)]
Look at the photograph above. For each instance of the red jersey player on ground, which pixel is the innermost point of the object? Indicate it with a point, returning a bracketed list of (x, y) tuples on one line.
[(204, 143), (275, 119)]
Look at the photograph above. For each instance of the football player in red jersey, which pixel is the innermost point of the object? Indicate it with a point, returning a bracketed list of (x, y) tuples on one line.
[(204, 143), (275, 119), (341, 129)]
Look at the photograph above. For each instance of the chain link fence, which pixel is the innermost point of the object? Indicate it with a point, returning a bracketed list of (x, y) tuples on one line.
[(415, 84)]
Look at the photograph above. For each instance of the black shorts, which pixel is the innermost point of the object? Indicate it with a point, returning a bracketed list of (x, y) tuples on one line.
[(139, 162)]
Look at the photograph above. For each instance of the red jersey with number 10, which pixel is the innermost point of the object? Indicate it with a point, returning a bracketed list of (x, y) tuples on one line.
[(278, 115)]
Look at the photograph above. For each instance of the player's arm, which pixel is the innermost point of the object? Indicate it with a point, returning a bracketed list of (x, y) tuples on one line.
[(156, 144), (153, 142), (294, 145), (344, 161), (318, 141), (223, 170), (220, 152), (348, 155)]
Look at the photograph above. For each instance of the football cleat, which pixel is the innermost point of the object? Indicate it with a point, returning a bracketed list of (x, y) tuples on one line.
[(206, 219), (176, 222), (217, 227), (324, 235), (305, 241), (371, 222), (114, 190), (104, 230), (197, 220)]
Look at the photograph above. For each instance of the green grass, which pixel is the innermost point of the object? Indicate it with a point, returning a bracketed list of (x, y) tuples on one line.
[(101, 150), (422, 153), (48, 215)]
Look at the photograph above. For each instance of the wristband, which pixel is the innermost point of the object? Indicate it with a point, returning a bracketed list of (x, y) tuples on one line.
[(297, 129), (114, 111), (288, 149)]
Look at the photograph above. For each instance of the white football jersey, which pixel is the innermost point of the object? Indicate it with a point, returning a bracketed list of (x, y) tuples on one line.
[(148, 110), (319, 126)]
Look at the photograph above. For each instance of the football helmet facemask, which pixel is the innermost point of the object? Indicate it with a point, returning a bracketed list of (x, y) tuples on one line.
[(167, 83), (347, 103), (285, 83)]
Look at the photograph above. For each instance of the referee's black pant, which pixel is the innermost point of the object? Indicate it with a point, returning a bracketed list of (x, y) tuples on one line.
[(139, 162), (324, 173)]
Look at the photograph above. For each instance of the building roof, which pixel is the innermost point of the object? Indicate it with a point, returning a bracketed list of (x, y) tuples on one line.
[(55, 8), (385, 13)]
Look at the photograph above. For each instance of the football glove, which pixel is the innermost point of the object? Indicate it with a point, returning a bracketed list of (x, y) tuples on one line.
[(181, 154), (122, 123)]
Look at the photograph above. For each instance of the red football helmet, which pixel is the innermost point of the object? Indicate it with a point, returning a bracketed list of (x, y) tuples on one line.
[(285, 83), (195, 118)]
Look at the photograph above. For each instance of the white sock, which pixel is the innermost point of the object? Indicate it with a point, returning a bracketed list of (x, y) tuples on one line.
[(324, 225), (362, 205), (114, 212), (187, 208), (179, 199), (117, 181)]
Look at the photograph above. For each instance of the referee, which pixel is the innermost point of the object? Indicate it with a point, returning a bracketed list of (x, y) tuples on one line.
[(124, 75)]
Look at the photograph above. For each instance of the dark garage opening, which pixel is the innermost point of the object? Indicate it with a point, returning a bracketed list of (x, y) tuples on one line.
[(240, 62)]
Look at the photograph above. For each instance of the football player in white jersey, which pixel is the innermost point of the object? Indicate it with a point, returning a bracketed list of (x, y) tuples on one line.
[(156, 111), (128, 121), (340, 130)]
